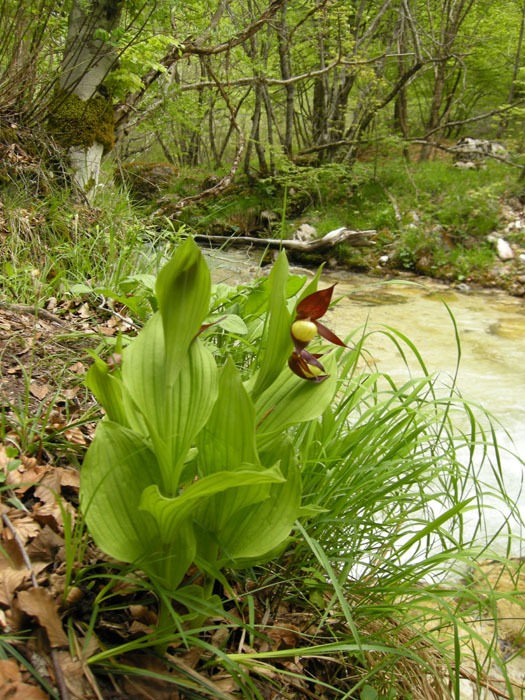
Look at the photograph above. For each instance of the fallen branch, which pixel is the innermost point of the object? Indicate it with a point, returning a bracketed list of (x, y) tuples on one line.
[(339, 235)]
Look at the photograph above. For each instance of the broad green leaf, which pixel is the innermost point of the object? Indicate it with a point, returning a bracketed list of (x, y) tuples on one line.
[(107, 390), (174, 413), (257, 529), (169, 513), (228, 438), (278, 343), (118, 467), (183, 294), (233, 324), (291, 400)]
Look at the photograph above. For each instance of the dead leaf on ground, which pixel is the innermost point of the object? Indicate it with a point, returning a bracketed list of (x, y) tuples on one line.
[(149, 688), (39, 391), (36, 602), (10, 581), (76, 681), (69, 478), (25, 526), (283, 636), (12, 687)]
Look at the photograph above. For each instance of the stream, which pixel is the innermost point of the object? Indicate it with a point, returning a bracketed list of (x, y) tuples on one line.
[(491, 326)]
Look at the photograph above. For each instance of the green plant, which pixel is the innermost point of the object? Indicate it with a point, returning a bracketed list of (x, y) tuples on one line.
[(192, 465)]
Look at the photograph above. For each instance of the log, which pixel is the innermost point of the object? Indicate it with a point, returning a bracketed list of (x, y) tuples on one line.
[(339, 235)]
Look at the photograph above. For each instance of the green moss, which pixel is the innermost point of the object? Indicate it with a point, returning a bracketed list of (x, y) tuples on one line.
[(74, 122)]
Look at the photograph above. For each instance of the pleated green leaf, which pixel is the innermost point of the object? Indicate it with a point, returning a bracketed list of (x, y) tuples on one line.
[(107, 390), (291, 400), (228, 438), (278, 343), (173, 412), (118, 467), (169, 513), (258, 529), (183, 294)]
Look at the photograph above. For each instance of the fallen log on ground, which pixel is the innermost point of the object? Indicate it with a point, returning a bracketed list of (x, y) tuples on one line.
[(339, 235)]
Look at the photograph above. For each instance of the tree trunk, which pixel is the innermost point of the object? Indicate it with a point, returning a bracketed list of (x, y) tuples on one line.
[(81, 117), (286, 74)]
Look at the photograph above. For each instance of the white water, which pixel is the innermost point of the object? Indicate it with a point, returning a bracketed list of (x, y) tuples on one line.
[(491, 326)]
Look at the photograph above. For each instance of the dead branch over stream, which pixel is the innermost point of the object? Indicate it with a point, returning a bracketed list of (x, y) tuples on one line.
[(339, 235)]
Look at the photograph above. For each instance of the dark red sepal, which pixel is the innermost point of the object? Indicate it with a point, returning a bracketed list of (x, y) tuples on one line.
[(327, 334), (315, 305)]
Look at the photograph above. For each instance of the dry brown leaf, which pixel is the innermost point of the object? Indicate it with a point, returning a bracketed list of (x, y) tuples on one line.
[(84, 311), (11, 686), (28, 462), (39, 391), (25, 526), (11, 556), (48, 488), (69, 478), (4, 459), (143, 614), (283, 636), (51, 514), (24, 478), (78, 368), (46, 546), (36, 602), (10, 581), (192, 657), (105, 330), (76, 681), (75, 436), (70, 394), (149, 688)]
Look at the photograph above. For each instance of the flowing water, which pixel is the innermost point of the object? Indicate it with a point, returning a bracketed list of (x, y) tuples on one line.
[(491, 328)]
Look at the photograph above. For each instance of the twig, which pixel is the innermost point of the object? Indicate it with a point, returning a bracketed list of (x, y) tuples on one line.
[(393, 202), (21, 548), (35, 310), (59, 676), (474, 679), (116, 313)]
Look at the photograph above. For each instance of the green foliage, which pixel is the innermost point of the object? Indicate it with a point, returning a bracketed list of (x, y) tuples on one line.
[(149, 497)]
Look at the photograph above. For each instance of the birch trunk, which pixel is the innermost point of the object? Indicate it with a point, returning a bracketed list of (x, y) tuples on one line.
[(88, 59)]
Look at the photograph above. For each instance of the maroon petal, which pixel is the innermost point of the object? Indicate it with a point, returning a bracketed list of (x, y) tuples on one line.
[(315, 305), (327, 334), (303, 368)]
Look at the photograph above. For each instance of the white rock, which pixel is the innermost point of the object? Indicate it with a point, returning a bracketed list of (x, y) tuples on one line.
[(516, 225), (383, 259), (505, 252), (522, 257), (305, 232), (465, 165)]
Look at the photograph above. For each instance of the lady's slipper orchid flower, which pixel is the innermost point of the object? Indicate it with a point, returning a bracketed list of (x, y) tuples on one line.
[(304, 329), (307, 366)]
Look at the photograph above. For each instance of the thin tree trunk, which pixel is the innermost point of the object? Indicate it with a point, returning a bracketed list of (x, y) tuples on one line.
[(87, 61), (285, 61)]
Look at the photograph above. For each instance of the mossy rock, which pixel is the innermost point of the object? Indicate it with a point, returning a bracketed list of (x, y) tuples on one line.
[(146, 181), (77, 123)]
